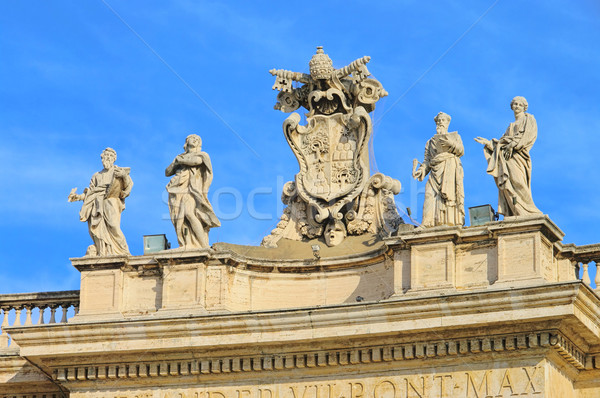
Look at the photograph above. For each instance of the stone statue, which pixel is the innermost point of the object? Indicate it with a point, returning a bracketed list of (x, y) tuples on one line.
[(191, 212), (103, 202), (334, 186), (510, 164), (444, 192)]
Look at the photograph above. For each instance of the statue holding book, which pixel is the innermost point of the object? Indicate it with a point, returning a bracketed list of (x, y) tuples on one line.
[(444, 192)]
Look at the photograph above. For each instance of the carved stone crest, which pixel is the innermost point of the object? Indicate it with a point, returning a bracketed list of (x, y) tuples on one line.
[(334, 187)]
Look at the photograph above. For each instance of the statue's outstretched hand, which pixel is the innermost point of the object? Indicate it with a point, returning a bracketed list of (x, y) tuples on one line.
[(487, 143), (73, 197)]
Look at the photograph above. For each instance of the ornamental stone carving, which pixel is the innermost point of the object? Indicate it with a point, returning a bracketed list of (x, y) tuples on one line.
[(444, 192), (103, 202), (333, 195), (509, 162), (191, 212)]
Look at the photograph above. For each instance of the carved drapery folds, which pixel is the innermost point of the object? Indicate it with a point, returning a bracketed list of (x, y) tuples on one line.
[(333, 189)]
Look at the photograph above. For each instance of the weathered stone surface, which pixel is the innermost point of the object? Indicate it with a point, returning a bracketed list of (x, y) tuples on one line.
[(191, 212), (510, 164), (444, 193), (103, 202), (334, 190), (488, 311)]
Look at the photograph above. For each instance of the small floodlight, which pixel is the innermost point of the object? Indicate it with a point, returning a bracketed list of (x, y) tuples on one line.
[(316, 251), (155, 243), (480, 215)]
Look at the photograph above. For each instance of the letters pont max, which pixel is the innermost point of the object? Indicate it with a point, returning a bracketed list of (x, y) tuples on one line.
[(496, 383)]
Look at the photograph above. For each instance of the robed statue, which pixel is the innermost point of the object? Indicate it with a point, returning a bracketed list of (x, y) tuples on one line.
[(191, 212), (509, 162), (444, 192), (103, 202)]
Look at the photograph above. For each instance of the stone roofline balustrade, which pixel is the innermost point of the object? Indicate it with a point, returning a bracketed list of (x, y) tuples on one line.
[(586, 259), (30, 309)]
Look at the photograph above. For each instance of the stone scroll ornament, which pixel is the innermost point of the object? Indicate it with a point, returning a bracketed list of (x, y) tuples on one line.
[(191, 212), (103, 203), (334, 194)]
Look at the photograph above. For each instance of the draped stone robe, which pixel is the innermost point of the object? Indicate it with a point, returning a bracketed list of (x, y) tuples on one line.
[(513, 176), (444, 192), (191, 212), (103, 203)]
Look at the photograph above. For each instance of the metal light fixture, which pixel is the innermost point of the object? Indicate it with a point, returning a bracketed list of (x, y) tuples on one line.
[(155, 243), (480, 215), (316, 251)]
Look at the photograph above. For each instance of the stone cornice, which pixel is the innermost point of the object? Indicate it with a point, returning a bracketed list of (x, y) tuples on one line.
[(510, 225), (391, 317), (227, 256), (535, 343)]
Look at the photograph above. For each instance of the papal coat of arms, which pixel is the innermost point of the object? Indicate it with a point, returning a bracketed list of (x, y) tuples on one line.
[(333, 194)]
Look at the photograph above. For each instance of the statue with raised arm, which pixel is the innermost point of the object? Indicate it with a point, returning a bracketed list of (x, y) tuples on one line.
[(510, 164), (191, 212), (103, 202), (444, 192)]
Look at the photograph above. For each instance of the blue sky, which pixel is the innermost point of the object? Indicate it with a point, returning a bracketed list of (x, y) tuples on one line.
[(76, 77)]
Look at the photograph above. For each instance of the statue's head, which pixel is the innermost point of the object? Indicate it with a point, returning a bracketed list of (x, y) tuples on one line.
[(108, 156), (193, 142), (442, 121), (518, 100), (320, 65), (335, 233)]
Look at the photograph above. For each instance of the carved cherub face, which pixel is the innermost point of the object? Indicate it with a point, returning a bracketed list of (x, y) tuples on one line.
[(335, 233), (108, 158)]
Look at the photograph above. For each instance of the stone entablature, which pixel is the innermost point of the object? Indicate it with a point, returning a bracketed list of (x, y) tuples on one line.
[(409, 339), (483, 311)]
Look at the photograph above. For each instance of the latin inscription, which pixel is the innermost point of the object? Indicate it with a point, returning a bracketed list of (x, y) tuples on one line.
[(495, 383)]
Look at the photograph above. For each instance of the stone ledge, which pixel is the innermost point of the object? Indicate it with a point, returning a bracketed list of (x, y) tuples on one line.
[(327, 358), (509, 225), (406, 315)]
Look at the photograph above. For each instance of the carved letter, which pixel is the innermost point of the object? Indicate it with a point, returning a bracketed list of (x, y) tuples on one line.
[(240, 393), (215, 394), (410, 385), (359, 391), (506, 383), (530, 381), (476, 390), (385, 389), (330, 388), (265, 390), (442, 385), (295, 391)]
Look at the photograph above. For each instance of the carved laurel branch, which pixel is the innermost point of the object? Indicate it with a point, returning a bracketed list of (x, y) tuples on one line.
[(327, 358)]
